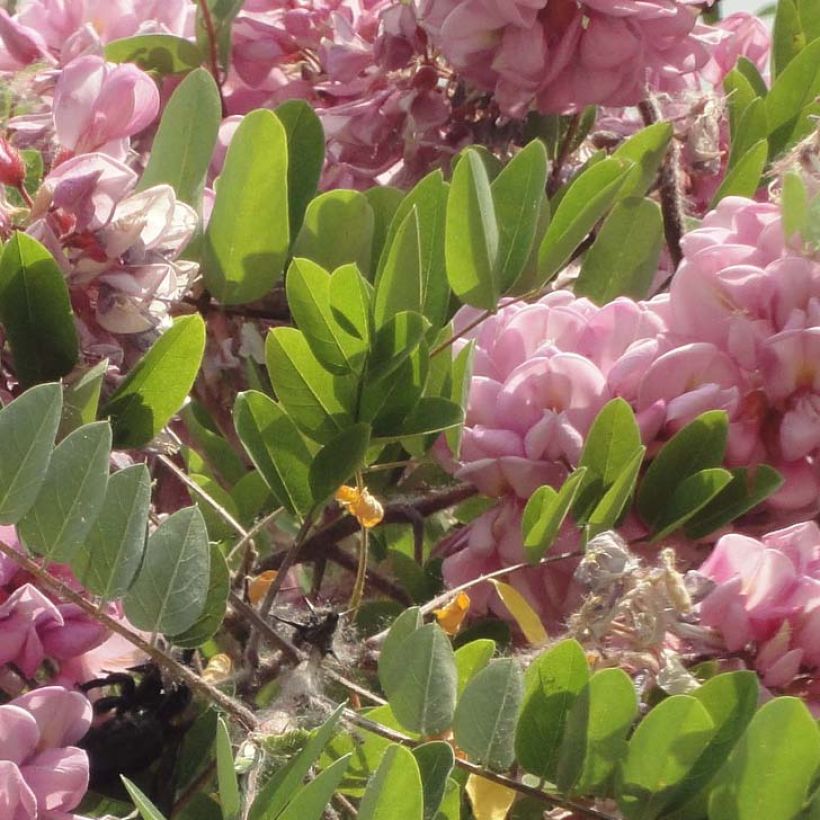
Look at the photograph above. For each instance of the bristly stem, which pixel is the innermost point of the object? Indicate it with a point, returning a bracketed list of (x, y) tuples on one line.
[(554, 181), (175, 669), (670, 186), (213, 53)]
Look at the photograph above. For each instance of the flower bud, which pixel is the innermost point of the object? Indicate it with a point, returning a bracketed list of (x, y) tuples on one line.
[(12, 167)]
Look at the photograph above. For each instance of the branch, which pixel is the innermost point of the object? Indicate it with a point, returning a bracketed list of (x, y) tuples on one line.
[(670, 185), (318, 545), (175, 669)]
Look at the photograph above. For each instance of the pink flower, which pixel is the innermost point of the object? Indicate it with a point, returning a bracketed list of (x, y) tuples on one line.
[(541, 374), (12, 167), (562, 55), (744, 290), (19, 45), (99, 105), (743, 35), (43, 776), (768, 594), (493, 541)]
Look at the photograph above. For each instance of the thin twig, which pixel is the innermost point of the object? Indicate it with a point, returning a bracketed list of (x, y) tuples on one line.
[(252, 648), (473, 768), (316, 545), (670, 186), (213, 54), (248, 537), (175, 669), (192, 485), (252, 616), (566, 144), (442, 599)]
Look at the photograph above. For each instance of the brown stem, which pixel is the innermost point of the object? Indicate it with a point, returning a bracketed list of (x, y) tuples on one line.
[(213, 54), (670, 186), (487, 774), (252, 649), (175, 669), (555, 175), (396, 513)]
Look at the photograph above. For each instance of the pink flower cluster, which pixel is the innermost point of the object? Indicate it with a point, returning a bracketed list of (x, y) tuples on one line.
[(768, 596), (363, 67), (43, 776), (34, 627), (57, 31), (565, 54)]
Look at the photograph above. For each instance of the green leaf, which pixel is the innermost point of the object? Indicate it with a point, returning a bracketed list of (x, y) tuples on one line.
[(435, 761), (739, 95), (769, 771), (308, 292), (158, 384), (545, 513), (319, 402), (747, 489), (391, 659), (71, 496), (731, 701), (385, 202), (462, 374), (387, 404), (306, 155), (36, 312), (794, 204), (208, 440), (750, 71), (752, 127), (518, 195), (788, 38), (471, 659), (624, 257), (423, 697), (222, 14), (171, 588), (337, 230), (587, 199), (81, 399), (338, 460), (688, 498), (286, 784), (276, 448), (646, 149), (395, 791), (111, 555), (184, 143), (484, 722), (399, 283), (248, 235), (161, 53), (809, 11), (613, 707), (431, 415), (229, 797), (395, 342), (791, 92), (216, 602), (744, 178), (350, 299), (663, 750), (471, 235), (697, 446), (552, 683), (608, 510), (313, 798), (28, 425), (146, 808), (429, 200)]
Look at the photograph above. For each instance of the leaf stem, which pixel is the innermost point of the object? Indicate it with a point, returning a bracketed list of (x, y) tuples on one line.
[(213, 54)]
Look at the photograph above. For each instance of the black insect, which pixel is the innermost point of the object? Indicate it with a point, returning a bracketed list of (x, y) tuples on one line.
[(317, 632), (142, 722)]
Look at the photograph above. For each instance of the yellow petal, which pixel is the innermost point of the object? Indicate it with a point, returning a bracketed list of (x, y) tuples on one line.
[(367, 510), (347, 495), (451, 616), (524, 615), (490, 801), (218, 668), (259, 585)]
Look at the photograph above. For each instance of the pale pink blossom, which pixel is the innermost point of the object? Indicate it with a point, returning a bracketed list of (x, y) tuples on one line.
[(43, 775), (768, 598), (99, 105)]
